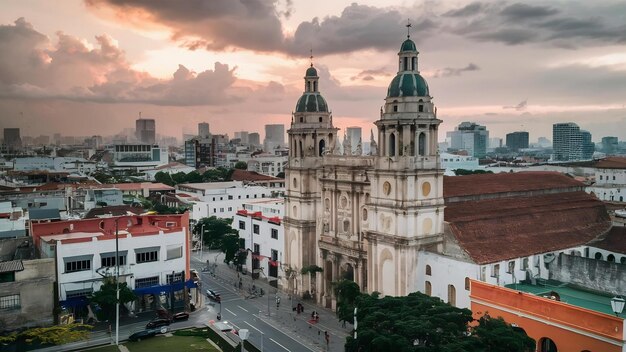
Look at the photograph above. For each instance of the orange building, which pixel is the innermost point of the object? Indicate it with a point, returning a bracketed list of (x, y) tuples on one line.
[(555, 325)]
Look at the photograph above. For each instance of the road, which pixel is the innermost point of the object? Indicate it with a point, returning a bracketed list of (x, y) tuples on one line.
[(249, 314)]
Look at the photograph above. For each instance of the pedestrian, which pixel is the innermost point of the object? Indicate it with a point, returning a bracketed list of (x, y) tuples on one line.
[(317, 317), (327, 337)]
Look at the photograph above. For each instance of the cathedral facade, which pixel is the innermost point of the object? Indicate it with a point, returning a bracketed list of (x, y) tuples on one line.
[(364, 217)]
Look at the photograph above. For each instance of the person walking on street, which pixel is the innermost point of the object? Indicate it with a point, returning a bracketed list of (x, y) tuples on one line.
[(327, 337)]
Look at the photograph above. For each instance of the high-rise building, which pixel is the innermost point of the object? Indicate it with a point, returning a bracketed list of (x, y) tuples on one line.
[(203, 130), (517, 140), (200, 152), (354, 135), (609, 145), (254, 139), (544, 142), (570, 143), (471, 137), (274, 137), (12, 139), (243, 137), (145, 130), (494, 142)]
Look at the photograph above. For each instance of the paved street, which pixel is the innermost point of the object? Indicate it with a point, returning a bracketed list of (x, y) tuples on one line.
[(282, 329)]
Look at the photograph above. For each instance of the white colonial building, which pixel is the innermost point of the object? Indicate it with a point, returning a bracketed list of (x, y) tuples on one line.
[(610, 180), (152, 250), (260, 226)]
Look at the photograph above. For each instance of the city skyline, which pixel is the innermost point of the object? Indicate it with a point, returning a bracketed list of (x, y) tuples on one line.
[(509, 66)]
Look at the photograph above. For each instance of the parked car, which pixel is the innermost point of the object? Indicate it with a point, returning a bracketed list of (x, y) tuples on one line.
[(180, 316), (158, 322), (214, 296), (143, 334)]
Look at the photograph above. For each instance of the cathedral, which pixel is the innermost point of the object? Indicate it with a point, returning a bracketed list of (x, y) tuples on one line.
[(364, 217)]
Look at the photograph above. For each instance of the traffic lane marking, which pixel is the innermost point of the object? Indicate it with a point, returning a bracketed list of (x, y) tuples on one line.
[(274, 341), (280, 332), (242, 308), (229, 311), (252, 326)]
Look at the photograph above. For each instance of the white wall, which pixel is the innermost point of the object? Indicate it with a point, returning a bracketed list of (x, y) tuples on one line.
[(131, 271)]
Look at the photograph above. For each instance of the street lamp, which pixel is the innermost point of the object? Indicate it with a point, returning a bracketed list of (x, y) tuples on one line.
[(243, 334), (617, 305)]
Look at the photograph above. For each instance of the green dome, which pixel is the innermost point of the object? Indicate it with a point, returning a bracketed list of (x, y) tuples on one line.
[(311, 72), (408, 84), (311, 102), (408, 45)]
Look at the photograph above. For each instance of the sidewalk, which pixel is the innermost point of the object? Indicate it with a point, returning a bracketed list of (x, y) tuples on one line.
[(284, 317)]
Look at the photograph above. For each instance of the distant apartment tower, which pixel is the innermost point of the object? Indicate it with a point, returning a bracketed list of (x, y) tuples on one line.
[(517, 140), (354, 135), (145, 130), (203, 130), (274, 137), (471, 137), (544, 142), (609, 145), (12, 139), (243, 137), (200, 152), (570, 143), (254, 139)]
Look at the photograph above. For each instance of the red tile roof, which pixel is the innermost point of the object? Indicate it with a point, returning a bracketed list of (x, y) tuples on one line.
[(498, 229), (139, 186), (612, 162), (459, 186), (614, 241), (243, 175)]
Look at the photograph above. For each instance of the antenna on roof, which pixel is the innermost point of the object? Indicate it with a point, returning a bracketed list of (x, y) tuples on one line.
[(311, 56), (408, 28)]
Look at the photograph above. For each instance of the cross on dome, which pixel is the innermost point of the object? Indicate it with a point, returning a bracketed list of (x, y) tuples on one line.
[(408, 28)]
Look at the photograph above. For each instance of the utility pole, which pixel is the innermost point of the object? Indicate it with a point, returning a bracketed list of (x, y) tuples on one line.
[(202, 242), (117, 284)]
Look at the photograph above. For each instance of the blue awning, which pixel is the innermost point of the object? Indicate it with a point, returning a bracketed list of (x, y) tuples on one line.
[(156, 290), (74, 302)]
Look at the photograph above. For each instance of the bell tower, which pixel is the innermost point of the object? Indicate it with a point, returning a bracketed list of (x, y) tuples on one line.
[(407, 181), (311, 136)]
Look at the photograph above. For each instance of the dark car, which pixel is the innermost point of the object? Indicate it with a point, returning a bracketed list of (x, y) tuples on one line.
[(214, 296), (180, 316), (144, 334), (155, 323)]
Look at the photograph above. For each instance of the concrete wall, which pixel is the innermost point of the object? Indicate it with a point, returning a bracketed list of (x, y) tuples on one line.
[(590, 273), (35, 285)]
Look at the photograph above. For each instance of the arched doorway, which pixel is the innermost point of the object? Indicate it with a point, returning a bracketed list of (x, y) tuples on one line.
[(547, 345), (347, 272)]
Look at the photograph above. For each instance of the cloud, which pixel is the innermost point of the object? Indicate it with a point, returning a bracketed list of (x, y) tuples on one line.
[(32, 67), (519, 107), (455, 71), (521, 12), (369, 75), (467, 10)]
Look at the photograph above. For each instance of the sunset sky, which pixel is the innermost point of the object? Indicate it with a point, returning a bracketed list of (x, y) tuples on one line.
[(89, 67)]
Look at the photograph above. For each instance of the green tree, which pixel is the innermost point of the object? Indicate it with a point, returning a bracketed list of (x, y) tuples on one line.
[(418, 322), (495, 335), (241, 165), (164, 177), (280, 175), (463, 172), (346, 291), (218, 233), (106, 296), (179, 177)]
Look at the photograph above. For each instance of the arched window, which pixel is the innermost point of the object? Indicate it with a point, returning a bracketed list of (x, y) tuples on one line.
[(452, 295), (301, 150), (321, 119), (422, 144), (302, 119), (395, 108), (428, 270), (467, 284), (420, 108), (610, 258), (406, 63), (322, 146), (599, 256), (547, 345), (428, 288), (413, 63), (308, 86), (392, 144), (315, 86)]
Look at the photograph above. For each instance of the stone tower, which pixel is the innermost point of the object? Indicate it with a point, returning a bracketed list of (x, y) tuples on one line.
[(406, 204), (310, 137)]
